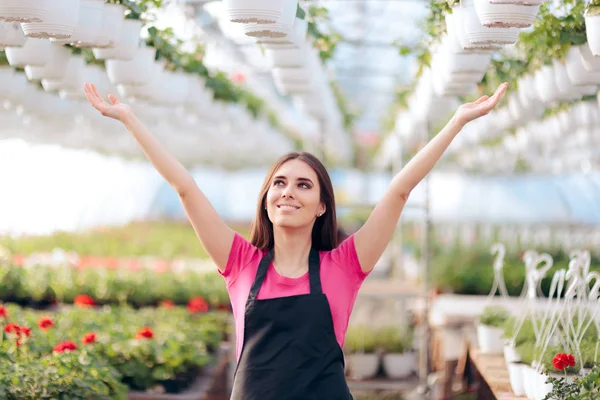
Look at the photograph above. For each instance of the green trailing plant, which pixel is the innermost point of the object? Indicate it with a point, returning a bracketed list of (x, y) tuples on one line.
[(585, 388), (393, 339), (494, 316), (593, 8), (3, 59), (360, 339)]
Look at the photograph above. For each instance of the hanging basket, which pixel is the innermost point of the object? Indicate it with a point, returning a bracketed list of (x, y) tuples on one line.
[(11, 35), (90, 26), (592, 30), (477, 34), (590, 62), (283, 27), (33, 52), (546, 84), (60, 22), (125, 45), (24, 10), (256, 11), (577, 72), (133, 72), (505, 15), (294, 37), (73, 73), (113, 17), (54, 68)]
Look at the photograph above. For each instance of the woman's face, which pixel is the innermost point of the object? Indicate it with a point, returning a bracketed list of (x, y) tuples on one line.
[(294, 196)]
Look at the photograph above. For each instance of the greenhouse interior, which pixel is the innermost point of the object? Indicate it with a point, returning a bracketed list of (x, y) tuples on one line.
[(459, 260)]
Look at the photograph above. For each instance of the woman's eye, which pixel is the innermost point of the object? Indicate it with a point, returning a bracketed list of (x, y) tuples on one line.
[(277, 183), (305, 185)]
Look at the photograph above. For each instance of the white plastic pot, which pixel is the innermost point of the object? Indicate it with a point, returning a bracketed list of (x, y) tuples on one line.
[(279, 29), (478, 34), (60, 22), (590, 62), (546, 85), (505, 15), (490, 339), (90, 26), (399, 366), (286, 57), (33, 52), (72, 76), (363, 365), (11, 35), (126, 44), (133, 72), (515, 374), (577, 72), (295, 36), (54, 68), (24, 10), (592, 30), (112, 20), (256, 11)]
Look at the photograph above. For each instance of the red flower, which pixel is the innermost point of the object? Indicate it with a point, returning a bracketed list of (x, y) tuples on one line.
[(89, 338), (26, 331), (145, 333), (12, 328), (83, 300), (66, 345), (167, 304), (45, 323), (197, 304), (3, 312), (562, 361)]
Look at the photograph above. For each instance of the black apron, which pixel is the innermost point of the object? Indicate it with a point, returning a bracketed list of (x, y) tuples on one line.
[(290, 351)]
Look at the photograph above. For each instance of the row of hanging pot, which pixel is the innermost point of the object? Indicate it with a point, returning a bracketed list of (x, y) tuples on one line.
[(295, 64)]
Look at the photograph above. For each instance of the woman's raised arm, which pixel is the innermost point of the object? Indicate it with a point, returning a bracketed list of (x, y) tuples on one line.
[(213, 232), (373, 237)]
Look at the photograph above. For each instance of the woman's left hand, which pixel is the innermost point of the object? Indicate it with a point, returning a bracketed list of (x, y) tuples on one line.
[(470, 111)]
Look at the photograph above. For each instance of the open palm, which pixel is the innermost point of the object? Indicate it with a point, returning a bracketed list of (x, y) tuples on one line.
[(470, 111), (115, 109)]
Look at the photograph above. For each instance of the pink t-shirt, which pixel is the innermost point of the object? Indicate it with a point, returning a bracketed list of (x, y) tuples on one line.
[(341, 277)]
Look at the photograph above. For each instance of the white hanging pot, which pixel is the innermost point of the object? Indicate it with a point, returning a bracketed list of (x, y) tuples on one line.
[(280, 29), (113, 17), (546, 84), (33, 52), (89, 73), (133, 72), (592, 30), (257, 11), (90, 25), (147, 90), (294, 37), (126, 44), (473, 62), (577, 72), (286, 57), (565, 88), (11, 35), (590, 62), (527, 91), (481, 35), (441, 87), (74, 72), (505, 15), (54, 68), (24, 10), (399, 366), (291, 75), (60, 22), (457, 24), (178, 84)]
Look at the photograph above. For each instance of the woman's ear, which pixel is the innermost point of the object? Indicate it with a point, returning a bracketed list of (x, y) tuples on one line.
[(322, 209)]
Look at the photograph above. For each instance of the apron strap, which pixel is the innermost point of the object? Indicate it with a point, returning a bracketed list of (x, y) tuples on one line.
[(314, 272), (261, 273)]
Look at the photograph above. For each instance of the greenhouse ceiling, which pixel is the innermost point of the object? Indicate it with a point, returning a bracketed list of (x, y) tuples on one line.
[(362, 83)]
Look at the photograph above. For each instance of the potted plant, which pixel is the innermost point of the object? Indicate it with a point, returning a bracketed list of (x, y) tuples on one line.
[(490, 329), (60, 23), (399, 358), (258, 12), (592, 26), (20, 11), (360, 348)]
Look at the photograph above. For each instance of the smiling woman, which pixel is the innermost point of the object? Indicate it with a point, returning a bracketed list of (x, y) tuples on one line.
[(292, 286)]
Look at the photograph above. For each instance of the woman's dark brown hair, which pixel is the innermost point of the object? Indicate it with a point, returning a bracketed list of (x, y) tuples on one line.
[(324, 233)]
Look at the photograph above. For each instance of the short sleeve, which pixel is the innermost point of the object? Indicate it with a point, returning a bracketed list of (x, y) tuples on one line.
[(346, 258), (241, 254)]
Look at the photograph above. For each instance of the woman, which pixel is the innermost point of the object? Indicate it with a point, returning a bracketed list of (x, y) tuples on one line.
[(292, 287)]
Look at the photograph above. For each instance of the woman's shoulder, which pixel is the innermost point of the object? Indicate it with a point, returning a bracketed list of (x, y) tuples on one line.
[(242, 254)]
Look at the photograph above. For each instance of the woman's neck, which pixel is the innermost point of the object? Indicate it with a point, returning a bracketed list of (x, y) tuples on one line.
[(292, 248)]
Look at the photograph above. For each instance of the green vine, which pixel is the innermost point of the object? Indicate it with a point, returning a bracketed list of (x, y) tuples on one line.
[(3, 59)]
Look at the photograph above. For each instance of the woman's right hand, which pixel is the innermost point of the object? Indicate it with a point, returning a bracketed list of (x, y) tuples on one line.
[(116, 109)]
